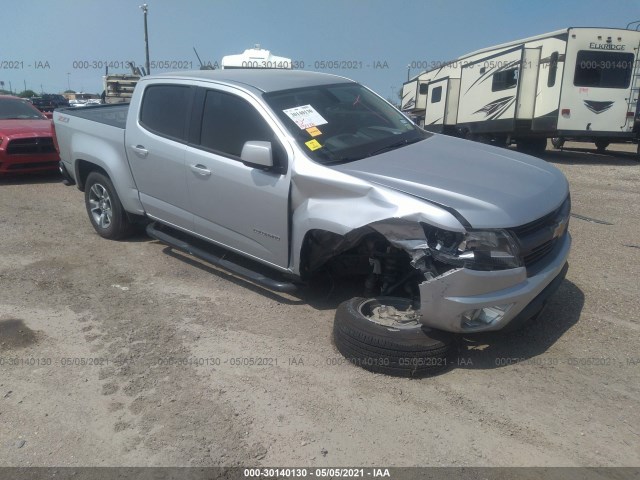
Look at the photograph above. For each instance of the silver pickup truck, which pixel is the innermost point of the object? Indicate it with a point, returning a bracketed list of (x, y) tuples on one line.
[(305, 172)]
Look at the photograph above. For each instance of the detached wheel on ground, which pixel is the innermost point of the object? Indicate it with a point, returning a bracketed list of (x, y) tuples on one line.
[(384, 335), (106, 213)]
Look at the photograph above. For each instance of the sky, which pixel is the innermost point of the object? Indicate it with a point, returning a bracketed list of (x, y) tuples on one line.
[(54, 45)]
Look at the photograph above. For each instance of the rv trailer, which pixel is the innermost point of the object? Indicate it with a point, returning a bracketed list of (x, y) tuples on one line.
[(577, 83)]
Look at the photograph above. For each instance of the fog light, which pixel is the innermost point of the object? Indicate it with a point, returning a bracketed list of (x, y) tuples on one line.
[(483, 317)]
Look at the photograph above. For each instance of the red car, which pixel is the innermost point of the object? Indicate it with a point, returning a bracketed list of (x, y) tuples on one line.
[(26, 138)]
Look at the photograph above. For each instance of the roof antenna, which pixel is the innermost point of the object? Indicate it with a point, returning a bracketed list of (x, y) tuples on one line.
[(202, 65), (196, 52)]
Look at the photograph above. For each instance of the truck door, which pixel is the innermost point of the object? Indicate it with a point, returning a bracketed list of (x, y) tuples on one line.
[(241, 207), (155, 142)]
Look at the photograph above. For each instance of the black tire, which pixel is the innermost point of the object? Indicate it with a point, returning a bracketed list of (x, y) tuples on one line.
[(105, 211), (557, 142), (601, 145), (409, 351)]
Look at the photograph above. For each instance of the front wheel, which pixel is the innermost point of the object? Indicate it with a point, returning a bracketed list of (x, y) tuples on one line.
[(384, 335), (105, 211)]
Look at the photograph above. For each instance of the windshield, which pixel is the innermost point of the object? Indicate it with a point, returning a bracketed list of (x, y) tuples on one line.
[(13, 108), (343, 122)]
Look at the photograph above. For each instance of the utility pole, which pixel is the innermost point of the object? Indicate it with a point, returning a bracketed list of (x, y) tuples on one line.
[(145, 10)]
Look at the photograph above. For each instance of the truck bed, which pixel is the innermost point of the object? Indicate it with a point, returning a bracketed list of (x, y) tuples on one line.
[(114, 115), (96, 135)]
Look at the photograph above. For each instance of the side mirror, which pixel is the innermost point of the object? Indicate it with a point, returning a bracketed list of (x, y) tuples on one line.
[(257, 154)]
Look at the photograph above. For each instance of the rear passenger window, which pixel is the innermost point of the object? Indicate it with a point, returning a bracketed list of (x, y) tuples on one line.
[(229, 121), (164, 110)]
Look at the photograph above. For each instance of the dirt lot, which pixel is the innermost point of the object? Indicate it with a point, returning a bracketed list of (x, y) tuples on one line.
[(125, 353)]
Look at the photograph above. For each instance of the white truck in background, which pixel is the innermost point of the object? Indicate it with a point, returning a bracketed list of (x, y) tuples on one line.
[(256, 57), (576, 83)]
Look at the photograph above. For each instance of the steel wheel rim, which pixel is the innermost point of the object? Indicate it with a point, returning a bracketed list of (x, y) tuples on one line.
[(100, 205), (395, 314)]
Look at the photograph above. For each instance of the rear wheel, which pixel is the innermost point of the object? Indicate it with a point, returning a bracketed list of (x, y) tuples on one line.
[(105, 211), (384, 335)]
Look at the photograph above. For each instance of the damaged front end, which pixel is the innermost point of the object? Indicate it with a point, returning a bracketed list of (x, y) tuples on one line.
[(458, 281)]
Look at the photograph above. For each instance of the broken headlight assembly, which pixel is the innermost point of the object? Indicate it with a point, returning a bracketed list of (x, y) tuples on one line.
[(476, 249)]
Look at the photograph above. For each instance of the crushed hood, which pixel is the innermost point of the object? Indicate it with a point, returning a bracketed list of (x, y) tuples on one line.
[(490, 187)]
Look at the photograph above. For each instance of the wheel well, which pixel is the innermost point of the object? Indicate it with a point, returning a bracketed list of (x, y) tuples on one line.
[(321, 246), (83, 169)]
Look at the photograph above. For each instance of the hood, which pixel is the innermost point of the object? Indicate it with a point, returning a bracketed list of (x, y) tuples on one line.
[(490, 187), (35, 127)]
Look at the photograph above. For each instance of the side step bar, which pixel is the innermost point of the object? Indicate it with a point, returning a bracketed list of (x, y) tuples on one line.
[(278, 285)]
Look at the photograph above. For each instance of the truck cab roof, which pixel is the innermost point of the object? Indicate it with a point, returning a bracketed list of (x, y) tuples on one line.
[(263, 80)]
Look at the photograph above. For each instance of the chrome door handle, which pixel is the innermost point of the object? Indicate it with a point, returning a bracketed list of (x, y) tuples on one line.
[(140, 150), (200, 170)]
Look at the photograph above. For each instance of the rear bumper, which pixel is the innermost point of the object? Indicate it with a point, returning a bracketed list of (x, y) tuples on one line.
[(446, 301), (590, 136)]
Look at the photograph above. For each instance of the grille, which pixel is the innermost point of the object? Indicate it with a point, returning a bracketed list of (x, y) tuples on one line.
[(538, 238), (30, 146), (539, 252), (538, 224)]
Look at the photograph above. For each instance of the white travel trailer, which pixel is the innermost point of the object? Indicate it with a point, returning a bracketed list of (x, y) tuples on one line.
[(255, 58), (576, 83)]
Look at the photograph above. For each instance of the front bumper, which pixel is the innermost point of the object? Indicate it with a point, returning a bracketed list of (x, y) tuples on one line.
[(31, 163), (445, 299)]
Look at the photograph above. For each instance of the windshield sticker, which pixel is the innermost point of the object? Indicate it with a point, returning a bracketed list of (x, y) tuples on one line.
[(305, 116), (313, 145), (313, 131)]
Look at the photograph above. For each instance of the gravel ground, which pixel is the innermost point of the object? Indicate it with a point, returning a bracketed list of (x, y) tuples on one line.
[(126, 353)]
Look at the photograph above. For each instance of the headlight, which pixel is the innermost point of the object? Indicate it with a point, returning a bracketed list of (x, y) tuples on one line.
[(475, 249)]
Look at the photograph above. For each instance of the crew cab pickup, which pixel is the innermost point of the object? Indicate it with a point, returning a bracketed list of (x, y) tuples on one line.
[(304, 172)]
